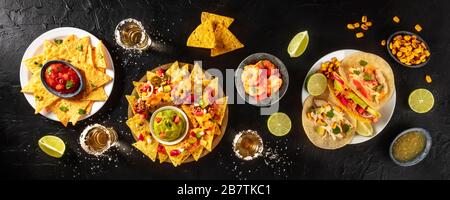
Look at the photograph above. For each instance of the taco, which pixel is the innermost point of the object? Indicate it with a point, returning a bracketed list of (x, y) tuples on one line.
[(369, 76), (327, 125), (345, 97)]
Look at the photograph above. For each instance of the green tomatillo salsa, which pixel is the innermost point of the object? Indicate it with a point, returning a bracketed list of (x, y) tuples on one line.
[(169, 125)]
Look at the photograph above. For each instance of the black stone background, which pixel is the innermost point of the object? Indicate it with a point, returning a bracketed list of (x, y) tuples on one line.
[(263, 26)]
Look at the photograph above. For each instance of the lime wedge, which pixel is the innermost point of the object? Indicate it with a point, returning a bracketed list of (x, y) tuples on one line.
[(317, 84), (421, 100), (298, 44), (279, 124), (364, 128), (52, 146)]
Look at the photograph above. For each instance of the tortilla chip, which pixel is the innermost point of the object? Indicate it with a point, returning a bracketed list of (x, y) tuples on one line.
[(34, 64), (207, 139), (149, 75), (94, 78), (211, 91), (162, 156), (187, 110), (31, 86), (197, 152), (100, 56), (89, 107), (225, 41), (131, 100), (173, 69), (202, 36), (177, 160), (69, 110), (150, 150), (222, 107), (216, 19), (138, 126), (98, 94), (43, 97), (90, 60)]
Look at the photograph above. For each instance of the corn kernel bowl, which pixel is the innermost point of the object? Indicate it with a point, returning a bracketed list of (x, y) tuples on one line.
[(398, 55)]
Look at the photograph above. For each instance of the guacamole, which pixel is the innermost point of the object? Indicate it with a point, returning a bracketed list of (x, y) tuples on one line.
[(169, 125)]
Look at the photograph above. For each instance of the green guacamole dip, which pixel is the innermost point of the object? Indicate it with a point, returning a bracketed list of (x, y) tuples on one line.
[(169, 125)]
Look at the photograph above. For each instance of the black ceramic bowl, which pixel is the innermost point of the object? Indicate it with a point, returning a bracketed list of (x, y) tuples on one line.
[(406, 33), (252, 59), (53, 91)]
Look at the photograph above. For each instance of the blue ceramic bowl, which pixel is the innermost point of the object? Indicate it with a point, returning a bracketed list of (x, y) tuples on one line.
[(395, 57), (53, 91), (421, 156), (252, 59)]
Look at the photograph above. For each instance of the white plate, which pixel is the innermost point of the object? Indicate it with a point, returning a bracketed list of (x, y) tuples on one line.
[(386, 111), (36, 47)]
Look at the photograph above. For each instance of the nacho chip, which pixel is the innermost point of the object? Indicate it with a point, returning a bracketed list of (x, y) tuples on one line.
[(31, 86), (207, 139), (94, 78), (90, 60), (221, 109), (173, 69), (138, 126), (178, 159), (43, 97), (162, 157), (216, 19), (150, 150), (131, 100), (100, 56), (69, 110), (197, 152), (89, 107), (187, 110), (98, 94), (35, 63), (211, 91), (202, 36), (225, 41)]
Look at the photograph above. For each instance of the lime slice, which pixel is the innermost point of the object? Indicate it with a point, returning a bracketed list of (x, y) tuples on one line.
[(317, 84), (279, 124), (298, 44), (52, 146), (421, 100), (364, 128)]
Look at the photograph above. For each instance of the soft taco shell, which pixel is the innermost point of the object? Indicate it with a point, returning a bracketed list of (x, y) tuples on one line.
[(350, 112), (376, 61), (314, 137)]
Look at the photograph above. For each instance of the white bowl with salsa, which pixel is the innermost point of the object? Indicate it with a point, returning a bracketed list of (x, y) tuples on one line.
[(169, 125)]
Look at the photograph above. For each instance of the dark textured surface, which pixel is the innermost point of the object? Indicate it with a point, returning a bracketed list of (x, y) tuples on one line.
[(263, 26)]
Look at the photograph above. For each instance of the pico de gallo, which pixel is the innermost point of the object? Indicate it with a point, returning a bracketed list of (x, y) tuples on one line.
[(62, 78)]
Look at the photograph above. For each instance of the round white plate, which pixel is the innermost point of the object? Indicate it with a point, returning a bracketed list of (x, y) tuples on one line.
[(36, 47), (386, 111)]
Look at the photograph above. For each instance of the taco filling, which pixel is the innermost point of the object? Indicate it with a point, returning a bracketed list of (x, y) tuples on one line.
[(350, 100), (369, 81), (329, 121)]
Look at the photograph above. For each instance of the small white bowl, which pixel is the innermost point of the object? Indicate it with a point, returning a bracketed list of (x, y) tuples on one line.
[(152, 119)]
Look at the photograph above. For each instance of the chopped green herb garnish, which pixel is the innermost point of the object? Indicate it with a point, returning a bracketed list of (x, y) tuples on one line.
[(367, 77), (63, 108), (81, 111), (49, 70), (346, 128), (36, 63), (378, 88), (93, 85), (69, 84), (336, 130), (38, 98), (357, 72), (101, 56), (80, 48), (58, 41), (40, 65), (330, 114), (363, 63)]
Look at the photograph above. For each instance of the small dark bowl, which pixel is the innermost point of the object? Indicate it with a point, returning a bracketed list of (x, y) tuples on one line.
[(395, 58), (419, 157), (252, 59), (56, 93)]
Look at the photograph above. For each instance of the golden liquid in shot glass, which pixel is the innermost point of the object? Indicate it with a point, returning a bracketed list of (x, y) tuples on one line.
[(97, 139), (130, 34), (247, 145)]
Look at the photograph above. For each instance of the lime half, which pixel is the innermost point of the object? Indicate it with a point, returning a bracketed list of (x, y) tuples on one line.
[(52, 146), (317, 84), (421, 100), (279, 124), (298, 44), (364, 128)]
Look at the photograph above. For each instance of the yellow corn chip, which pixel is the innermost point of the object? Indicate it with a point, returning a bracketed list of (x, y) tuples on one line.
[(197, 152), (35, 63), (69, 110), (150, 150), (222, 106), (98, 94), (225, 41), (31, 86), (202, 36), (216, 19), (138, 126), (100, 56)]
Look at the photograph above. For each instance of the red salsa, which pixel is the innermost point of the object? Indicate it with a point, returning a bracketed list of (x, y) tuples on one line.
[(62, 78)]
